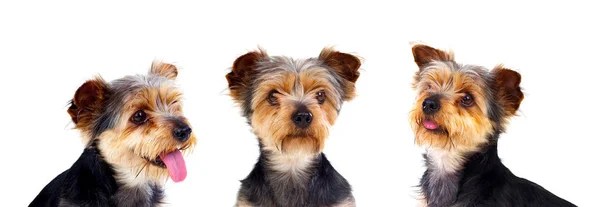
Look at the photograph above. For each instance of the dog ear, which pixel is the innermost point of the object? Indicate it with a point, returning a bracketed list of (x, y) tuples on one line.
[(424, 55), (87, 101), (242, 71), (163, 69), (509, 92), (344, 64)]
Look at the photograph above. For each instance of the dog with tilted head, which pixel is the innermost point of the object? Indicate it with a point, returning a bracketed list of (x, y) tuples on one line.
[(459, 114), (134, 133)]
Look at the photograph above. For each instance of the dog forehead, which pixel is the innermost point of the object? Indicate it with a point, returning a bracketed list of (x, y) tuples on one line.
[(148, 88), (289, 73), (279, 67), (141, 81), (453, 74), (287, 80), (287, 64)]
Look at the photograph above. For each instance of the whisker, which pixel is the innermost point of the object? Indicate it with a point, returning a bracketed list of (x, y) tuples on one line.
[(452, 143), (141, 170)]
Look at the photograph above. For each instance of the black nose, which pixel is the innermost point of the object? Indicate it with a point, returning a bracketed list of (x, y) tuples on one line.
[(431, 105), (302, 117), (182, 133)]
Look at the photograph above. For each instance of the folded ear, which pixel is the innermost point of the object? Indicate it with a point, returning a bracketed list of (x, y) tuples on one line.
[(509, 92), (163, 69), (242, 71), (345, 65), (87, 101), (424, 55)]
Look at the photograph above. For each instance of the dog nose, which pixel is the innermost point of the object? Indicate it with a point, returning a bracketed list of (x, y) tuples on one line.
[(431, 105), (182, 133), (302, 118)]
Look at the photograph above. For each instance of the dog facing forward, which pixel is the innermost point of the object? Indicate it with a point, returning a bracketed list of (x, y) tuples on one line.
[(460, 112), (134, 132), (290, 105)]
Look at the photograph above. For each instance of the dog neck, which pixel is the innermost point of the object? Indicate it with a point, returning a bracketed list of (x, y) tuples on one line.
[(135, 188), (145, 195), (293, 167), (130, 169), (134, 178), (446, 170), (288, 175), (282, 179)]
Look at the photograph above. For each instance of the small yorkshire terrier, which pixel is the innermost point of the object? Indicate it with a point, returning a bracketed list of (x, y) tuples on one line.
[(134, 134), (460, 112), (290, 105)]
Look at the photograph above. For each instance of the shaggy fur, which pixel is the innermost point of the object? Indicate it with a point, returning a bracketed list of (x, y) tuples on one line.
[(126, 124), (460, 112), (291, 104)]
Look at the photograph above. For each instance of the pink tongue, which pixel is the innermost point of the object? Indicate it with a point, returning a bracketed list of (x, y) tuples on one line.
[(430, 124), (175, 164)]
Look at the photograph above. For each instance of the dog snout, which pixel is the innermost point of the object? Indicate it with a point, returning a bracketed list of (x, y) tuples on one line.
[(302, 117), (431, 105), (182, 133), (181, 130)]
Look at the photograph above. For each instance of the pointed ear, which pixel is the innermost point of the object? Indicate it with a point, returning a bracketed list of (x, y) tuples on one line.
[(244, 67), (87, 101), (344, 64), (507, 85), (163, 69), (424, 55)]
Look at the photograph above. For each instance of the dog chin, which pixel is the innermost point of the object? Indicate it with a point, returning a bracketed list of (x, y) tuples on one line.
[(435, 138), (300, 144)]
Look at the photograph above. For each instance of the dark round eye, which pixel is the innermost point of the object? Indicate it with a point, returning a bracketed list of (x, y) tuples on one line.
[(467, 100), (272, 99), (321, 97), (139, 117)]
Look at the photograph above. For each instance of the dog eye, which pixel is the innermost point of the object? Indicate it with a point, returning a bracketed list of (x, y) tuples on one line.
[(321, 97), (467, 100), (139, 117), (272, 99)]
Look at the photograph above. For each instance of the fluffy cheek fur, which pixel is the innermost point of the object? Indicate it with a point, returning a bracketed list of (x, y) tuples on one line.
[(462, 128)]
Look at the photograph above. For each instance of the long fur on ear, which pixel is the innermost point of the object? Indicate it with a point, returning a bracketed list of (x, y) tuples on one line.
[(424, 55), (344, 64), (509, 92), (163, 69), (242, 71), (87, 103)]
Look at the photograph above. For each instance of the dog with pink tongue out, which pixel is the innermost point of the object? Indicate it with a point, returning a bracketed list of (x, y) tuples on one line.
[(135, 135)]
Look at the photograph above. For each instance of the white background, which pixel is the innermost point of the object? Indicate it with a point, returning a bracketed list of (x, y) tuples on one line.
[(49, 48)]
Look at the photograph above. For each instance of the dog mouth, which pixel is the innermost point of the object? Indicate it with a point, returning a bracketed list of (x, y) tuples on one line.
[(156, 162), (174, 163), (432, 126)]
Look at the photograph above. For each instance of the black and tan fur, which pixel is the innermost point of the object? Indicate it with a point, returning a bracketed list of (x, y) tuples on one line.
[(459, 114), (120, 165), (290, 105)]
